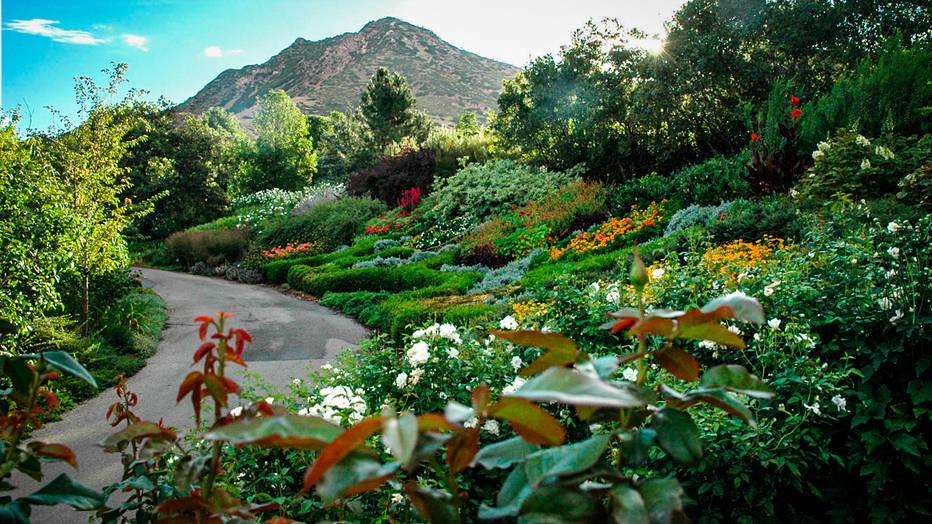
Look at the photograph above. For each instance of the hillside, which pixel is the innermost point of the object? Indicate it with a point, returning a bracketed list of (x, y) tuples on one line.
[(330, 74)]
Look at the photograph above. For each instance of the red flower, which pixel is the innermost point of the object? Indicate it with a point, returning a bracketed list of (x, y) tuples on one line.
[(754, 137), (794, 100), (796, 114)]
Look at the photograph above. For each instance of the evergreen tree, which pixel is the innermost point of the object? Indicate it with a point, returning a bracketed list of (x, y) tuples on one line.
[(389, 109)]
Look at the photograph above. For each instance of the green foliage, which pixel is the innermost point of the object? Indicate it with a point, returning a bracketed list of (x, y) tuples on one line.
[(453, 149), (854, 165), (397, 278), (481, 191), (713, 181), (283, 155), (389, 110), (331, 223), (754, 219)]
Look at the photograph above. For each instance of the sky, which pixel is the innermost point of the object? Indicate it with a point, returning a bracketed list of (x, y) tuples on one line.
[(174, 47)]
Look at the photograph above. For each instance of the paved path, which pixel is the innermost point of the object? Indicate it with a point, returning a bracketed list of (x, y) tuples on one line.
[(290, 336)]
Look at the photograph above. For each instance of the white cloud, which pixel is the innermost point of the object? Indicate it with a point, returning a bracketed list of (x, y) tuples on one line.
[(139, 42), (46, 28), (218, 52)]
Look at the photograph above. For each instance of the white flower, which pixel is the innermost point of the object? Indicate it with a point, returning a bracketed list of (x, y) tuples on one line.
[(416, 376), (491, 426), (447, 330), (594, 287), (237, 411), (861, 140), (471, 423), (894, 252), (514, 386), (303, 412), (613, 296), (891, 273), (397, 498), (814, 408), (509, 323), (516, 362), (823, 146), (840, 403), (794, 193), (736, 330), (401, 381), (707, 344), (774, 323), (893, 227), (595, 428), (296, 382), (806, 339), (865, 164), (453, 353), (418, 334), (756, 337), (657, 273), (770, 288), (817, 154), (269, 400), (326, 367), (630, 374), (897, 316), (419, 353), (885, 304), (885, 153)]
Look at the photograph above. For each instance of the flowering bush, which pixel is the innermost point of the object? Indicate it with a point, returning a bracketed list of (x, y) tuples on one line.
[(290, 251), (257, 209), (733, 262), (395, 221), (614, 231)]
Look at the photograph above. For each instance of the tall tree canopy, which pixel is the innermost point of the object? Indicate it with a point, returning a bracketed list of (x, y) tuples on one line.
[(389, 109)]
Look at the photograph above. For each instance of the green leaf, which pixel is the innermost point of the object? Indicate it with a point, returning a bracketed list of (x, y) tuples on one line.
[(343, 445), (558, 350), (432, 505), (145, 429), (636, 444), (512, 493), (283, 431), (736, 305), (605, 366), (722, 399), (572, 387), (504, 454), (627, 505), (712, 331), (14, 513), (565, 460), (19, 373), (6, 327), (356, 473), (65, 490), (678, 435), (679, 363), (557, 504), (735, 378), (400, 435), (67, 364), (529, 420), (663, 499)]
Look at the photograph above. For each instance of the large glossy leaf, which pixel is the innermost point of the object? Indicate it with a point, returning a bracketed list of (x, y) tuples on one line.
[(736, 378), (573, 387), (14, 513), (65, 490), (712, 331), (339, 448), (736, 305), (462, 449), (529, 420), (54, 452), (722, 399), (283, 431), (355, 473), (67, 364), (627, 505), (432, 505), (137, 431), (510, 496), (400, 435), (679, 363), (561, 504), (678, 435), (565, 460), (635, 445), (558, 350), (663, 499), (504, 454)]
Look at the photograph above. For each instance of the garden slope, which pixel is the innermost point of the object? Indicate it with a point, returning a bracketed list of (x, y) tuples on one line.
[(290, 335)]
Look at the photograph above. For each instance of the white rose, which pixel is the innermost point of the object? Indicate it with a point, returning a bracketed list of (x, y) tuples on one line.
[(416, 376), (894, 252), (774, 323), (491, 426), (419, 353), (893, 227), (508, 323), (865, 164), (401, 381), (516, 362), (630, 374), (840, 403), (657, 273), (453, 353), (237, 411)]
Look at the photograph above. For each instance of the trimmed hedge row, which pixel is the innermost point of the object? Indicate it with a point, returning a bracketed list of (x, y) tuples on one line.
[(318, 281)]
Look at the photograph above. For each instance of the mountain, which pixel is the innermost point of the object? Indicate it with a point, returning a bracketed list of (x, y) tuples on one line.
[(330, 74)]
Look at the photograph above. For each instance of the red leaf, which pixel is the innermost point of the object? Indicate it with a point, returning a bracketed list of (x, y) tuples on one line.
[(56, 451), (678, 362), (203, 350), (480, 398), (461, 449), (530, 421), (341, 446), (191, 382), (433, 422), (202, 331)]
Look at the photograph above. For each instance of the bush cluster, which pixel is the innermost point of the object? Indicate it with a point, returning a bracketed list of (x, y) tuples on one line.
[(330, 224), (210, 246)]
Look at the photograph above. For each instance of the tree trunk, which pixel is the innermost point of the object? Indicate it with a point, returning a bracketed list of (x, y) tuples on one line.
[(85, 299)]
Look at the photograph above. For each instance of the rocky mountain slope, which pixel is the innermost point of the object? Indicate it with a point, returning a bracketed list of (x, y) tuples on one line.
[(330, 74)]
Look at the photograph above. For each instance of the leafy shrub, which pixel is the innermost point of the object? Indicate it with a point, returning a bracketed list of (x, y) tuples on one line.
[(504, 276), (647, 188), (711, 182), (916, 187), (480, 191), (537, 224), (615, 231), (329, 224), (277, 271), (353, 302), (380, 262), (754, 219), (777, 162), (257, 209), (852, 164), (696, 215), (387, 180), (407, 276), (385, 243), (452, 150), (201, 246)]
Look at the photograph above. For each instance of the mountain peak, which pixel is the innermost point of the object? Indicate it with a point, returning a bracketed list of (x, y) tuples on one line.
[(331, 74)]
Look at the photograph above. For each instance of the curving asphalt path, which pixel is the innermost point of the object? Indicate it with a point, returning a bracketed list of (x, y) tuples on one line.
[(290, 337)]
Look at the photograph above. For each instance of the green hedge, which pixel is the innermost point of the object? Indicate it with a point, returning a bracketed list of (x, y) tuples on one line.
[(399, 278), (277, 271)]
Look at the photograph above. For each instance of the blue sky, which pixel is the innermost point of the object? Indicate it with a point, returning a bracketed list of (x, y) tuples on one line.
[(174, 47)]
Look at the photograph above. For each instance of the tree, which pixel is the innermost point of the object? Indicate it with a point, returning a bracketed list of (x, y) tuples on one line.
[(283, 155), (467, 124), (86, 162), (389, 109), (31, 234)]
